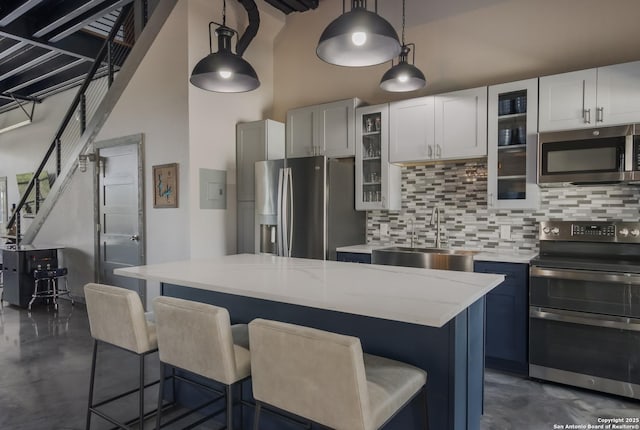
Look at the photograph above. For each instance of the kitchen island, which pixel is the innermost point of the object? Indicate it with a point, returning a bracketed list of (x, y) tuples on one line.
[(432, 319)]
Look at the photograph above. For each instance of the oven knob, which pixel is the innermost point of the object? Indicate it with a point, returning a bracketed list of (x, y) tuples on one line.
[(546, 230), (624, 232), (555, 230), (635, 232)]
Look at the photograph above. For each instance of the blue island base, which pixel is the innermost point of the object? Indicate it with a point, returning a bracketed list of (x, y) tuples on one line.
[(452, 355)]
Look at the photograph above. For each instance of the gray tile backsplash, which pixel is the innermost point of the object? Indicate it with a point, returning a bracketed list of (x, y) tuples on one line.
[(460, 190)]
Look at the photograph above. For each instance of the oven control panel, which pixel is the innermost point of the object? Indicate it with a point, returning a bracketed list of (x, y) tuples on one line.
[(585, 231)]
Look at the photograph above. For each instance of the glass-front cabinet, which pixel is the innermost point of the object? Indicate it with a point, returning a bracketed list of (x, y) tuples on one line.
[(377, 181), (512, 145)]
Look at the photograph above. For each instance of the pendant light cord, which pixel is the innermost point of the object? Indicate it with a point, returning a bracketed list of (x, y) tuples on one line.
[(224, 13), (224, 24), (403, 20)]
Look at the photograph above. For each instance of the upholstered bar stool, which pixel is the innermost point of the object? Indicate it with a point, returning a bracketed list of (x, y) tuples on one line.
[(199, 338), (116, 317), (326, 378)]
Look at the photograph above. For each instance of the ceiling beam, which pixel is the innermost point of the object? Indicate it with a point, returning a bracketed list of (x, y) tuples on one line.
[(46, 70), (14, 9), (75, 73), (10, 48), (80, 44), (14, 97), (29, 62), (86, 18)]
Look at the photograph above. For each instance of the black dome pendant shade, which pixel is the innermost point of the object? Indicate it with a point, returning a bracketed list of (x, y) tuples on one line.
[(403, 76), (358, 38), (224, 71)]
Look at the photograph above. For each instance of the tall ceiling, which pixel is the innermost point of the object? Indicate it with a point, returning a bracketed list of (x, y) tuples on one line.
[(48, 46)]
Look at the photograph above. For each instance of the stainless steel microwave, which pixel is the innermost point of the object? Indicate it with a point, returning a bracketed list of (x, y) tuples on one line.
[(593, 156)]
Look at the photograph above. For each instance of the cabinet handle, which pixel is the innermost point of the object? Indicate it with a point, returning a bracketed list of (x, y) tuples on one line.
[(438, 151), (587, 116), (600, 114), (430, 151)]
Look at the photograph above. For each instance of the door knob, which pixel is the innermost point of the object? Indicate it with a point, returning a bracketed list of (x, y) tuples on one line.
[(134, 238)]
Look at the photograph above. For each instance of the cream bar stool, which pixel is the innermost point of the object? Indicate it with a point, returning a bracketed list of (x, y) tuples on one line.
[(116, 317), (326, 378), (200, 339)]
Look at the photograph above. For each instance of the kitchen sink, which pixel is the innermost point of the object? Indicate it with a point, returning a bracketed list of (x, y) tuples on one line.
[(425, 258)]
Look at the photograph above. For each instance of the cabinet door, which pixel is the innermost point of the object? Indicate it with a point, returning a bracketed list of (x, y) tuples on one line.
[(250, 147), (300, 132), (246, 228), (461, 124), (507, 317), (618, 94), (352, 257), (512, 145), (377, 181), (411, 126), (568, 101), (336, 132)]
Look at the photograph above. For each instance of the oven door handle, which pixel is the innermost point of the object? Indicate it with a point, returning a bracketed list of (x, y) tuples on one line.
[(584, 275), (605, 321)]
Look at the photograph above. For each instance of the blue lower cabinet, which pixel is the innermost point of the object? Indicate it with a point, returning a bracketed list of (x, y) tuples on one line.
[(353, 257), (507, 306)]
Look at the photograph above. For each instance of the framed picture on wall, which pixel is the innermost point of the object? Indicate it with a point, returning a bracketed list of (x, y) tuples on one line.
[(165, 186)]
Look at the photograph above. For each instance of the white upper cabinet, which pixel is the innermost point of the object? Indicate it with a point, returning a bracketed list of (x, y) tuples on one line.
[(444, 127), (326, 129), (377, 181), (411, 127), (255, 141), (512, 146), (461, 124), (590, 98), (301, 133), (618, 94)]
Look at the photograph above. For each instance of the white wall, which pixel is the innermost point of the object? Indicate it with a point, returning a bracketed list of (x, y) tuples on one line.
[(71, 223), (22, 149), (213, 117), (460, 44), (155, 104)]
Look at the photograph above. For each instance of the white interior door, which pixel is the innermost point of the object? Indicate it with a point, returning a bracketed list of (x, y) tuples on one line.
[(120, 209)]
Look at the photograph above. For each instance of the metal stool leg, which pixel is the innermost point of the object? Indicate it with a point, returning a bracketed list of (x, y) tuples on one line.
[(229, 392), (160, 395), (425, 408), (91, 383), (54, 283), (141, 397), (256, 416), (35, 293)]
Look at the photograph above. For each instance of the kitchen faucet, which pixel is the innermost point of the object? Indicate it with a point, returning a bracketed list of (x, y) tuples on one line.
[(436, 214), (413, 233)]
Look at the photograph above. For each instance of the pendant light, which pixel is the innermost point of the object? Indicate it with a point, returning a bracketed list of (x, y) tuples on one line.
[(403, 76), (358, 38), (224, 71)]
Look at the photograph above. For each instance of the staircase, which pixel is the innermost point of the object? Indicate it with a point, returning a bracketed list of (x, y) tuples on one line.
[(115, 65)]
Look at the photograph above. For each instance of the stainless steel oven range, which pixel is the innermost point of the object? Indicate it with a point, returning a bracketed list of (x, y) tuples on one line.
[(584, 306)]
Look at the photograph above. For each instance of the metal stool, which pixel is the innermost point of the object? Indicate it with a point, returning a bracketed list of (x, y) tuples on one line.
[(117, 318), (50, 277)]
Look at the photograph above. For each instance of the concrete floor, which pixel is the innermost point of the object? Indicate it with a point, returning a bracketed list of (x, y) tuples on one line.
[(45, 359)]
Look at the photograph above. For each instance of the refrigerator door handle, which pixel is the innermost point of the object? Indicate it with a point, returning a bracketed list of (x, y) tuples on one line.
[(285, 213), (290, 185), (280, 223)]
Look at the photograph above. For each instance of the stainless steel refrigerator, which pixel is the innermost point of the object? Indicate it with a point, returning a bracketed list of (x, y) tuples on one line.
[(305, 207)]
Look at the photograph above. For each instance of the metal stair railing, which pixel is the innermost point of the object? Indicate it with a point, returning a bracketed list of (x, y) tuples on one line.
[(89, 110)]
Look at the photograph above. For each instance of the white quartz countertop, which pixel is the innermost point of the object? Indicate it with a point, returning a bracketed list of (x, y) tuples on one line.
[(498, 256), (419, 296)]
